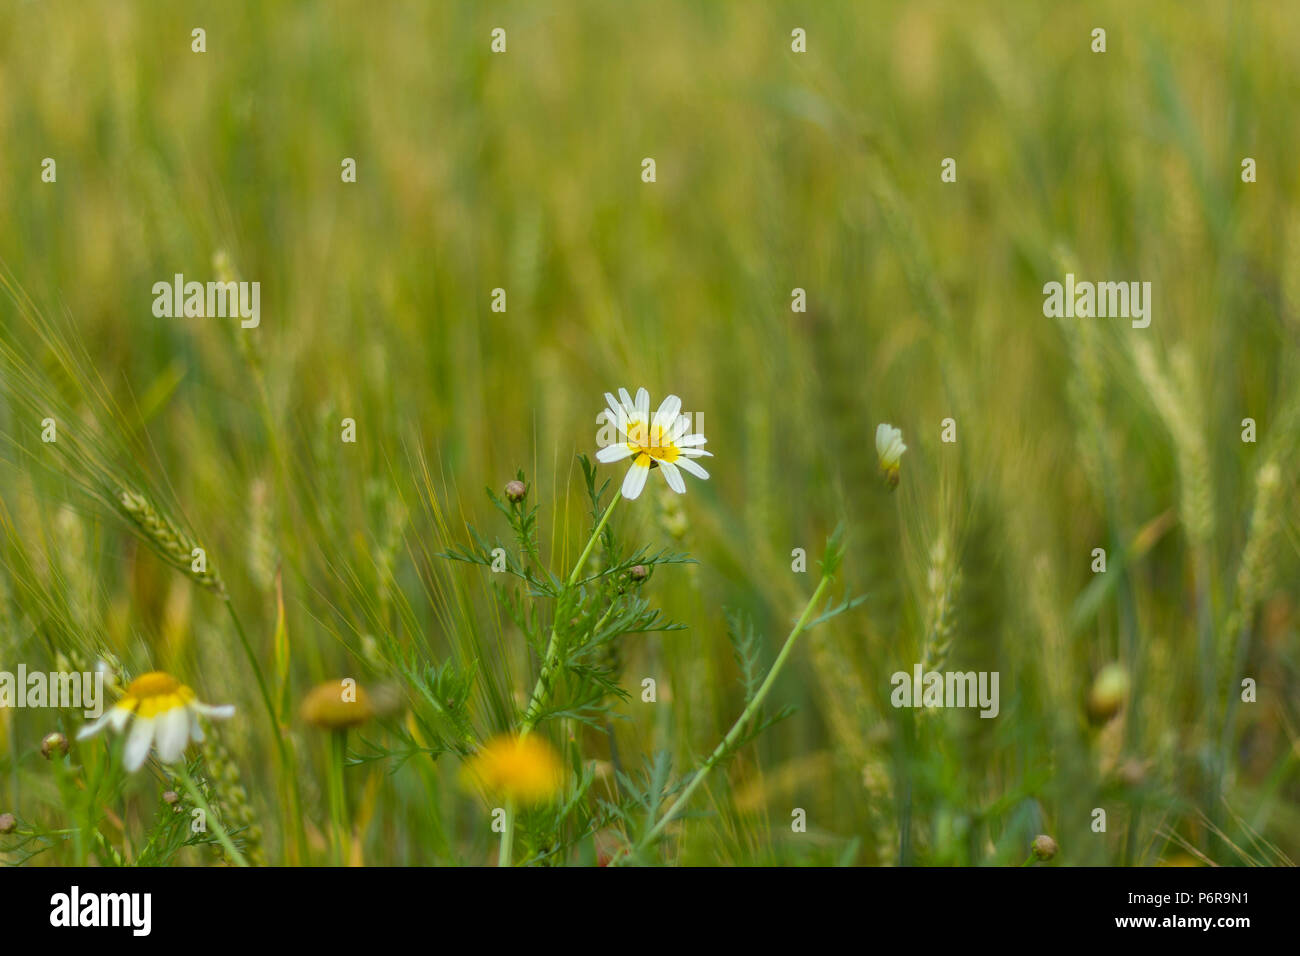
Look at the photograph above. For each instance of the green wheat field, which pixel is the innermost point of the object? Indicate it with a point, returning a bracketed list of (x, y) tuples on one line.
[(460, 249)]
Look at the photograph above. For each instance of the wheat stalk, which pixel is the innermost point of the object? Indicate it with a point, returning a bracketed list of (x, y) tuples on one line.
[(167, 539)]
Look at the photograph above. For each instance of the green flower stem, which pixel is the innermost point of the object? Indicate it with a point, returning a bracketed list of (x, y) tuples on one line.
[(261, 681), (83, 808), (591, 542), (552, 648), (729, 741), (338, 795), (293, 810), (211, 818), (542, 687), (507, 837)]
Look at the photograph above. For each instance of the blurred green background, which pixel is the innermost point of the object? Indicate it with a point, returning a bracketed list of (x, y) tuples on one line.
[(775, 170)]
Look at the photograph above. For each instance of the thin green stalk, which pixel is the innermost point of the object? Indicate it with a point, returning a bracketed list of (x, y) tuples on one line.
[(552, 647), (507, 837), (591, 542), (211, 818), (82, 807), (531, 712), (294, 810), (261, 681), (905, 804), (729, 741), (13, 777), (338, 795)]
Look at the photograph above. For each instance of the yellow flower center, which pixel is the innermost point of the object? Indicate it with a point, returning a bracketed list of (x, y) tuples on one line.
[(650, 444), (155, 693)]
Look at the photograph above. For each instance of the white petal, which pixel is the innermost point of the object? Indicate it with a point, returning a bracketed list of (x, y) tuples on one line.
[(893, 452), (882, 438), (196, 732), (614, 452), (89, 730), (173, 734), (643, 404), (688, 441), (667, 414), (673, 477), (220, 712), (137, 744), (617, 414), (635, 480), (691, 468), (625, 398), (694, 453)]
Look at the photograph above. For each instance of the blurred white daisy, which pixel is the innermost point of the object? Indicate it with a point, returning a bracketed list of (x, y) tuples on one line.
[(660, 442), (890, 448), (165, 712)]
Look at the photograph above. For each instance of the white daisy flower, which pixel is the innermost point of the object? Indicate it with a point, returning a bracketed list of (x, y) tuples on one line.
[(166, 712), (659, 442), (890, 448)]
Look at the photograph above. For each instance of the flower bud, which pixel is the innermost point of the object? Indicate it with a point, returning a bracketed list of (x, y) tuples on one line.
[(889, 449), (54, 742), (1044, 847), (1132, 772), (1108, 693), (8, 823), (335, 706), (638, 573), (516, 490)]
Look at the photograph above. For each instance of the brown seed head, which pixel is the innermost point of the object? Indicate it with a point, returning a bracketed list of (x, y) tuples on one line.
[(1044, 847), (336, 705)]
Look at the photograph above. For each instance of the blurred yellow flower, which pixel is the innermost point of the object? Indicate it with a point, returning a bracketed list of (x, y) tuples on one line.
[(337, 705), (523, 769)]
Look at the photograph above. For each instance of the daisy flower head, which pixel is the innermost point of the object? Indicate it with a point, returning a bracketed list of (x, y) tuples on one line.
[(660, 441), (161, 711), (889, 448), (523, 769)]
